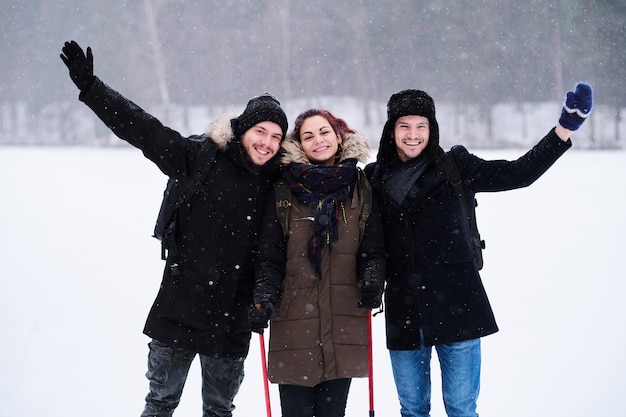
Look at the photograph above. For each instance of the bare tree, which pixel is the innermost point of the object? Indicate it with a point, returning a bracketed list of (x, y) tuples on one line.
[(158, 59), (285, 32)]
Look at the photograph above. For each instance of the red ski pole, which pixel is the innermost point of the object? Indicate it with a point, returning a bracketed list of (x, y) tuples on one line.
[(370, 359), (268, 407)]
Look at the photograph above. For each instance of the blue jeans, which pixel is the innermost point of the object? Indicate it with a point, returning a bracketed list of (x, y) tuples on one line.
[(460, 378), (167, 372)]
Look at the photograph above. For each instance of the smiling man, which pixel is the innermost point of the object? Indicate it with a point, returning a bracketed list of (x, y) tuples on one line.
[(262, 141), (434, 297), (411, 135), (203, 300)]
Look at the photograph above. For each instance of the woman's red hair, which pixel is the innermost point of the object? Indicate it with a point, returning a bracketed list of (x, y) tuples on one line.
[(339, 125)]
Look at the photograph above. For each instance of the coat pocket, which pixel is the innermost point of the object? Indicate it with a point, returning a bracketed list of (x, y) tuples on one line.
[(189, 297), (457, 251)]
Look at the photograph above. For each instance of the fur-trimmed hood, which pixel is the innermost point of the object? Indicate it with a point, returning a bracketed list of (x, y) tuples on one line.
[(353, 146), (221, 132)]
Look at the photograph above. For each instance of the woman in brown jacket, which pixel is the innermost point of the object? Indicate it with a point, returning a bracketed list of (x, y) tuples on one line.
[(317, 275)]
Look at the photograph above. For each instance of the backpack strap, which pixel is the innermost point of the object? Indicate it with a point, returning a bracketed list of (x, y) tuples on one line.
[(283, 205), (469, 223), (365, 198), (452, 172), (204, 161)]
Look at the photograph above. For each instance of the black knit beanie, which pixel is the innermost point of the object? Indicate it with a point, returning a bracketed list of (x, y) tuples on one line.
[(259, 109), (408, 103)]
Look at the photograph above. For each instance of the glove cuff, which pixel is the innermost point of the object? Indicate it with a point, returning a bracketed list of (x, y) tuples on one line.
[(575, 111), (572, 119)]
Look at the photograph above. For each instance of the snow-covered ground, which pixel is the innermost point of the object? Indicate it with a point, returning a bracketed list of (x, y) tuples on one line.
[(79, 271)]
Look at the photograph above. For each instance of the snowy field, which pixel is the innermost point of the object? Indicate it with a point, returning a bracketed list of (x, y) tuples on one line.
[(80, 271)]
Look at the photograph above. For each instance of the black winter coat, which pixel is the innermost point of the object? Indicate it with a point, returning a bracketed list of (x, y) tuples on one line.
[(206, 290), (432, 277)]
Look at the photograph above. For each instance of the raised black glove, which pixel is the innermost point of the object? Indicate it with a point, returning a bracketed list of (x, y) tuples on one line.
[(80, 66), (259, 315), (371, 294), (577, 107)]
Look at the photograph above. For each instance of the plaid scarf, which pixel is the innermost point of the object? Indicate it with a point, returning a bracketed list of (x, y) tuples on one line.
[(322, 188)]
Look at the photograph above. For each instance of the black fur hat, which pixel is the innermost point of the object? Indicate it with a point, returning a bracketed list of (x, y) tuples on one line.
[(259, 109), (408, 103)]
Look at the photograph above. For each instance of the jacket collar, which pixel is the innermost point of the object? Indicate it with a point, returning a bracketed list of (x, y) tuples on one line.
[(354, 146), (221, 132)]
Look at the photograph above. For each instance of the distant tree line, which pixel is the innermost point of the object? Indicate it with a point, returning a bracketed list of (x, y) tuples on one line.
[(166, 52)]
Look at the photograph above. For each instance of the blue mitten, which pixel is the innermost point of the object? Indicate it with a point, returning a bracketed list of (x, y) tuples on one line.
[(577, 107)]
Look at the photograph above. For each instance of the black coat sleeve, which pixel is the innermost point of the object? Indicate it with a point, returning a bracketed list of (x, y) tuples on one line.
[(170, 151), (371, 256), (500, 175), (270, 261)]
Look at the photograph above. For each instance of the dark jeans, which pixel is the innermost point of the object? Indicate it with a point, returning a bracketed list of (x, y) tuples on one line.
[(167, 372), (327, 399)]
